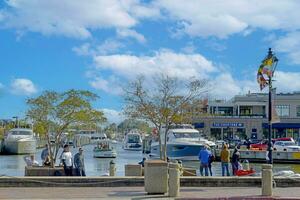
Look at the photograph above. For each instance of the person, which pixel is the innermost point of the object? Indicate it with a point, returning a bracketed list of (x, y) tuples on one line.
[(45, 157), (66, 159), (235, 160), (225, 159), (204, 158), (30, 161), (79, 163), (142, 162), (210, 160)]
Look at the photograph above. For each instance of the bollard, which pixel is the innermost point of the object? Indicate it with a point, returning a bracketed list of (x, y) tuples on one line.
[(267, 180), (174, 179), (112, 168)]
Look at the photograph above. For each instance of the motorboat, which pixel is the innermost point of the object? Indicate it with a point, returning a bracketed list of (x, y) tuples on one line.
[(183, 143), (104, 149), (132, 141), (20, 141), (95, 138)]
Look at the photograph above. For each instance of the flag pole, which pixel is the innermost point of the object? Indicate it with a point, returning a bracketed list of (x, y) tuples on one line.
[(270, 146)]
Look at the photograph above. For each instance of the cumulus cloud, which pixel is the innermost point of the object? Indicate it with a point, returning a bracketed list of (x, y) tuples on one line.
[(289, 44), (113, 116), (287, 81), (224, 18), (22, 86), (74, 18), (110, 85), (131, 33), (164, 61)]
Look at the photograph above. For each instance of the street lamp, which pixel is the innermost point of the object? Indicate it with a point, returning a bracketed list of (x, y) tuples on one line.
[(264, 78)]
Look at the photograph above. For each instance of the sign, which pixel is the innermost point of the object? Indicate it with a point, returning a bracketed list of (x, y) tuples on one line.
[(228, 125)]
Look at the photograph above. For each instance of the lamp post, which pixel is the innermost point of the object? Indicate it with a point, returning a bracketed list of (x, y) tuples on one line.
[(270, 74), (17, 121)]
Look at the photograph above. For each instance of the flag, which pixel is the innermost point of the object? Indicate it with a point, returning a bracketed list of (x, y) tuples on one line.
[(265, 70)]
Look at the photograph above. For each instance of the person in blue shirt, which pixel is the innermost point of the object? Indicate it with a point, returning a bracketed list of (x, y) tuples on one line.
[(204, 155)]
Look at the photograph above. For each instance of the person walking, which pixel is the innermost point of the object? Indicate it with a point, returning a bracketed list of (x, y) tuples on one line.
[(66, 159), (79, 163), (204, 155), (225, 159), (235, 160)]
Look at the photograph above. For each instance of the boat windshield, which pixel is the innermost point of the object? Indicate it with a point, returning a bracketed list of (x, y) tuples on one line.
[(21, 133), (186, 135), (133, 139)]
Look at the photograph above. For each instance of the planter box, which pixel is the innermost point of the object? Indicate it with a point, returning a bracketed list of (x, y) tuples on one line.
[(45, 171), (133, 170)]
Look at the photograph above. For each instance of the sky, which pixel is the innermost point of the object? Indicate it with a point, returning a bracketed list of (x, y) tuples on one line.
[(101, 45)]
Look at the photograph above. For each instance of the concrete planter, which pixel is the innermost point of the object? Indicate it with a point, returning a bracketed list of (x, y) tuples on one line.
[(133, 170), (156, 177), (45, 171)]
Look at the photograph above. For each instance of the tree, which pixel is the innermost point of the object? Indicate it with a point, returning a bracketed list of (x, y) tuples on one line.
[(52, 113), (164, 104)]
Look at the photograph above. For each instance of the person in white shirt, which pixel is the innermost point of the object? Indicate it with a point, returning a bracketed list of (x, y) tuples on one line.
[(66, 159), (30, 161)]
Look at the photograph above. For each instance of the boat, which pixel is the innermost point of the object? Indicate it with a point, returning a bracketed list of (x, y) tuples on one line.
[(20, 141), (244, 172), (104, 149), (132, 141), (183, 143), (96, 137)]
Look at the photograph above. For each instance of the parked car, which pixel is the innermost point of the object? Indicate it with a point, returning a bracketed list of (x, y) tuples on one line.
[(262, 145), (285, 146)]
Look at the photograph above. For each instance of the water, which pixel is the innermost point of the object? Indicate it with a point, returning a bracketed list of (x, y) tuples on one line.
[(13, 165)]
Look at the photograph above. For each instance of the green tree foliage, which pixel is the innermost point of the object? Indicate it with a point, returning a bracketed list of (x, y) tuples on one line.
[(164, 103), (52, 113)]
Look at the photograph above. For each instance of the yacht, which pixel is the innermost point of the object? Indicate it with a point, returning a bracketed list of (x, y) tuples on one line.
[(183, 143), (20, 141), (105, 149), (95, 138), (133, 141)]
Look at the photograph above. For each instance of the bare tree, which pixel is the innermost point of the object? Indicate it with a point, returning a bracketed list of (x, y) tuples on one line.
[(163, 103)]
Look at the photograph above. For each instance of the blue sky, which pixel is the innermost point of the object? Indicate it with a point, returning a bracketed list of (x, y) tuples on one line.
[(101, 45)]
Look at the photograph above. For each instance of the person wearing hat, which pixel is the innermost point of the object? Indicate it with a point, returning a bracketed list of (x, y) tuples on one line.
[(79, 163), (66, 159)]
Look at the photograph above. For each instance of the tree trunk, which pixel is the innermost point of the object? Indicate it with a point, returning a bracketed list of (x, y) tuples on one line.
[(159, 143)]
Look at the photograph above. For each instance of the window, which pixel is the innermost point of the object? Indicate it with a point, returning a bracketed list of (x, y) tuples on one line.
[(298, 111), (283, 110)]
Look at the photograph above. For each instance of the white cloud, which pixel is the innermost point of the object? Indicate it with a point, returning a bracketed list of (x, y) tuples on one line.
[(23, 86), (224, 18), (289, 44), (224, 86), (74, 18), (108, 46), (110, 85), (113, 116), (131, 33), (180, 65), (287, 81)]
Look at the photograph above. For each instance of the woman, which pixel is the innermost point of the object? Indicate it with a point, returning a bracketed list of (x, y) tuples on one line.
[(235, 160), (225, 159)]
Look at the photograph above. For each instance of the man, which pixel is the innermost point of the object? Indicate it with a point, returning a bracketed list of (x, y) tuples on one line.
[(204, 155), (45, 156), (79, 163), (66, 159)]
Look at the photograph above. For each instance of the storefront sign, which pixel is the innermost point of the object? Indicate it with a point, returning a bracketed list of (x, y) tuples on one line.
[(228, 125)]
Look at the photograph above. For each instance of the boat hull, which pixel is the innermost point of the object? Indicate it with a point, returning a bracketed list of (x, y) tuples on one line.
[(105, 154), (20, 147), (133, 147), (179, 151)]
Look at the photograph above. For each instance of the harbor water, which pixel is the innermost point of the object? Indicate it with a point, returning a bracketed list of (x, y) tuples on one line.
[(13, 165)]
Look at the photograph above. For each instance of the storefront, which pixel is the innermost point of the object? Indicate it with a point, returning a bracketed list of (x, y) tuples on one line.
[(283, 130)]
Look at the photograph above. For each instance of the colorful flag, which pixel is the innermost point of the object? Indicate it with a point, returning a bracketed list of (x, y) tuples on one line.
[(265, 70)]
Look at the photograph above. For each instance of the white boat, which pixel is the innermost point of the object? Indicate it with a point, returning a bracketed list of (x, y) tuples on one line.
[(133, 141), (104, 149), (96, 137), (20, 141), (183, 143)]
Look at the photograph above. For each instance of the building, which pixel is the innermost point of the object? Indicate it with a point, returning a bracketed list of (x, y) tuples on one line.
[(246, 116)]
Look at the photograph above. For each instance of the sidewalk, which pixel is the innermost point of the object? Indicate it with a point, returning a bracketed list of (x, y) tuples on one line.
[(138, 193)]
